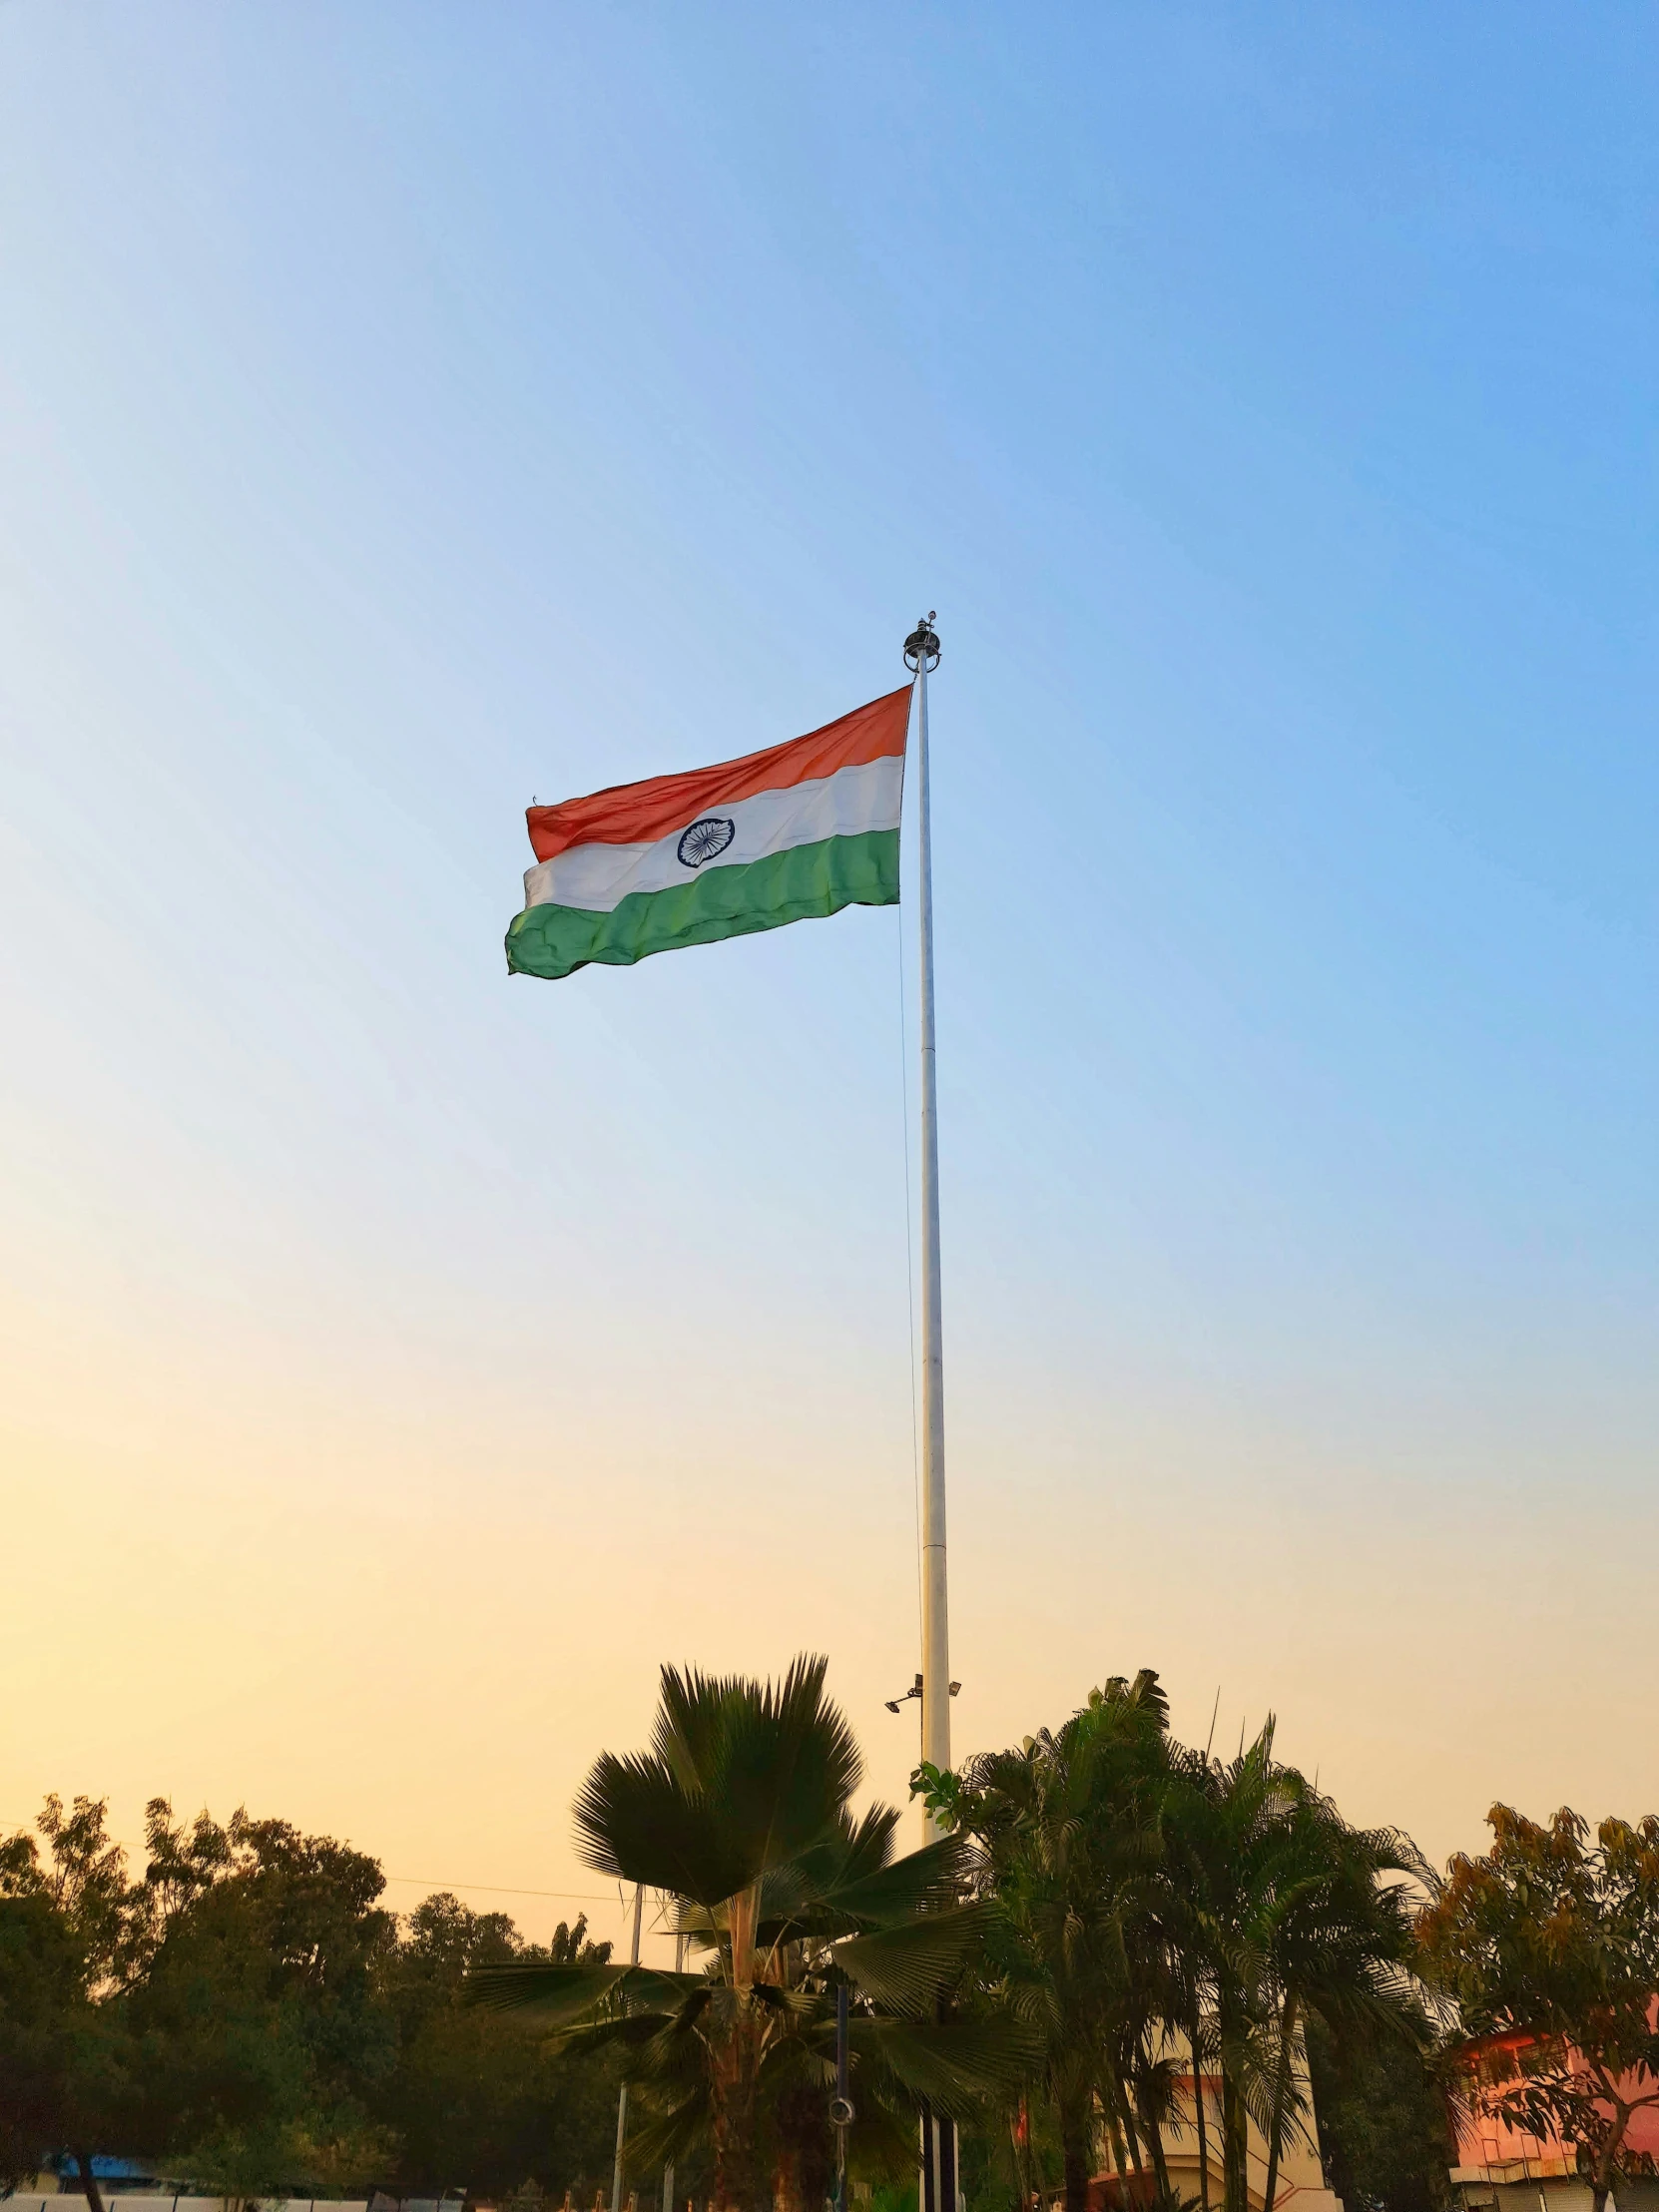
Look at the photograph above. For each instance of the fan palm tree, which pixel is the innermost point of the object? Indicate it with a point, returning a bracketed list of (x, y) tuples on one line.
[(740, 1815)]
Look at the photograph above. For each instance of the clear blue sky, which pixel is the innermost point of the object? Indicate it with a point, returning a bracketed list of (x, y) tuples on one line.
[(407, 410)]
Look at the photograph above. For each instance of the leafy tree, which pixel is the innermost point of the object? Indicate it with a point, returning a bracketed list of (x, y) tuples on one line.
[(66, 1931), (43, 2020), (1550, 1948), (740, 1815), (473, 2101), (1384, 2136), (246, 2015), (257, 2006), (85, 1876)]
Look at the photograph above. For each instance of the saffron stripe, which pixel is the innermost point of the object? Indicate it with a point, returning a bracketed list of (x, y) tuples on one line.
[(640, 813)]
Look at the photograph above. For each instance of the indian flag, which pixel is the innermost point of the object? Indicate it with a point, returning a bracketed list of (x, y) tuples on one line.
[(800, 831)]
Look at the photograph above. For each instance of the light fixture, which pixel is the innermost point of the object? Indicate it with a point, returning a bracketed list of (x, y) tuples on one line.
[(893, 1703)]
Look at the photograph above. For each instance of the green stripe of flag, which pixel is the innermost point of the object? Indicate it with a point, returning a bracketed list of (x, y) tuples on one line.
[(803, 883)]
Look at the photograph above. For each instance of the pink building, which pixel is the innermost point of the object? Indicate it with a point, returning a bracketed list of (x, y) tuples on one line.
[(1512, 2171)]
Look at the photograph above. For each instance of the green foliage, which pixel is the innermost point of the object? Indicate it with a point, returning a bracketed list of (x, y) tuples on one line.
[(1549, 1948), (249, 2016), (739, 1815), (258, 2008), (1278, 1913), (741, 1779), (46, 2024), (1066, 1830), (473, 2101), (996, 2172), (1385, 2135), (1142, 1897), (65, 2052)]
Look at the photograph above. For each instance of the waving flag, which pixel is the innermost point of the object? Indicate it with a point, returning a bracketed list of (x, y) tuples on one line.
[(798, 831)]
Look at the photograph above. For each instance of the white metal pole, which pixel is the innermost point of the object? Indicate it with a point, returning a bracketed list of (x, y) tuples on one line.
[(622, 2093), (936, 1617)]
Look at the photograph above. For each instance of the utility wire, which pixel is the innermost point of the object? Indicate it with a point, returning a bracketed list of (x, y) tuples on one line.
[(501, 1890)]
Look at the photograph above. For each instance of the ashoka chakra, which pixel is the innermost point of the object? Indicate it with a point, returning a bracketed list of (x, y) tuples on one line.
[(705, 838)]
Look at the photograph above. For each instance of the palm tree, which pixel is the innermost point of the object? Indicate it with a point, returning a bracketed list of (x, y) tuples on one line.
[(1279, 1909), (1066, 1831), (1342, 1943), (740, 1815)]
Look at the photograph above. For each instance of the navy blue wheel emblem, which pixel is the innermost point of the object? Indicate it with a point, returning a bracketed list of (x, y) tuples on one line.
[(705, 840)]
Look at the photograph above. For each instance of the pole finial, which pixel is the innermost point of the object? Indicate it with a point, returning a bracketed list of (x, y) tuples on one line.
[(922, 647)]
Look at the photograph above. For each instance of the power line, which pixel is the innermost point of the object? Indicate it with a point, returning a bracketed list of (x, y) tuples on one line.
[(500, 1890)]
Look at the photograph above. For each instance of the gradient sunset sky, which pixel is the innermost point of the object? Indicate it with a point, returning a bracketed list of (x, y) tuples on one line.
[(409, 410)]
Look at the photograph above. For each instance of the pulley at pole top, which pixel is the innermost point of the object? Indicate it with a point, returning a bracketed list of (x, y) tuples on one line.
[(923, 644)]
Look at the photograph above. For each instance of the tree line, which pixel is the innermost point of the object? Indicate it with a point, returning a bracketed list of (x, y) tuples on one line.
[(1101, 1914), (247, 2016), (1099, 1905)]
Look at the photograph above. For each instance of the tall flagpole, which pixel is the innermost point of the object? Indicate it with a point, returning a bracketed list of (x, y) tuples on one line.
[(921, 652)]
